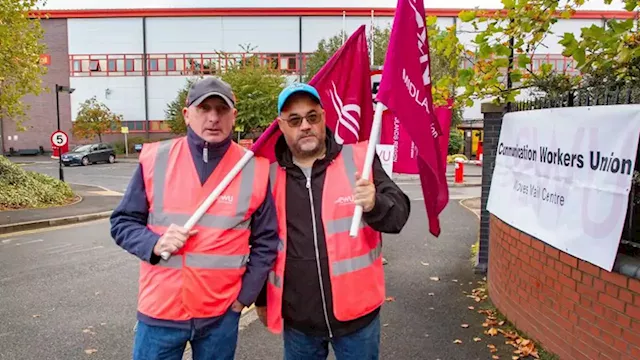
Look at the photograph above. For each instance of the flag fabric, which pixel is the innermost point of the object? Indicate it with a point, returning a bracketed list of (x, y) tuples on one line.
[(405, 88), (344, 86), (405, 151)]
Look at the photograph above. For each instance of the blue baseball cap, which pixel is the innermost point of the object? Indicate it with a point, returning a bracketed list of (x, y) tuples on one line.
[(296, 88)]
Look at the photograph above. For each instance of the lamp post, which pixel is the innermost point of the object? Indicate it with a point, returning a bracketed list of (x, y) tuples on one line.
[(59, 89)]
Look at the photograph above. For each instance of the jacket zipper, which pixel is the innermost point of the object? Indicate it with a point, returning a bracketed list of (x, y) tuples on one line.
[(315, 242)]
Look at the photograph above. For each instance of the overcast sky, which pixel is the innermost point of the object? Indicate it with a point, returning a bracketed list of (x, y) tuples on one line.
[(124, 4)]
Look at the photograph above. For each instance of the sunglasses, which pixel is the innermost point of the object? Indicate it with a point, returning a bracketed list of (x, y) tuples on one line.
[(296, 120)]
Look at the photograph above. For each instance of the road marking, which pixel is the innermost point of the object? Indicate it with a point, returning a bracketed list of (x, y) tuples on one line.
[(82, 250), (57, 247), (8, 241), (60, 251), (29, 242)]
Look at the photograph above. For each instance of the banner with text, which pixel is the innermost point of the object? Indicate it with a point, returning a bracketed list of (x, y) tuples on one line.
[(564, 175)]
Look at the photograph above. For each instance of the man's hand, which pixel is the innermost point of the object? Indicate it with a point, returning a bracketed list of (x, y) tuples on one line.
[(365, 193), (262, 314), (237, 306), (173, 239)]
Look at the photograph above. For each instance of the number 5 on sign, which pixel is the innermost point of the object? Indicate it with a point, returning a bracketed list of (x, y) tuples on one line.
[(59, 138)]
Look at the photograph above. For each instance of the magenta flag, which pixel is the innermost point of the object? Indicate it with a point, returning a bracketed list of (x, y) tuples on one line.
[(405, 89), (405, 151), (344, 86)]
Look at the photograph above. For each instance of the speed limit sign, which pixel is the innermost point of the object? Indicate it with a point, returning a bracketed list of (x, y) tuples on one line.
[(59, 138)]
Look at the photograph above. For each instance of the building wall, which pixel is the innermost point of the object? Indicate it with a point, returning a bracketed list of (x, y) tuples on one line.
[(575, 309), (41, 118), (116, 44)]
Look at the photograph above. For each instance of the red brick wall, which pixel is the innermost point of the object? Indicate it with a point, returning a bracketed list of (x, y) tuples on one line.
[(573, 308), (41, 118)]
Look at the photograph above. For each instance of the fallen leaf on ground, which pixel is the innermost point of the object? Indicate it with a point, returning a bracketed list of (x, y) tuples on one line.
[(495, 357), (385, 325), (476, 339), (390, 298), (456, 341), (464, 325), (492, 348), (431, 294), (515, 357), (492, 332), (36, 315), (424, 263), (454, 280), (435, 278), (91, 351), (471, 308), (501, 323)]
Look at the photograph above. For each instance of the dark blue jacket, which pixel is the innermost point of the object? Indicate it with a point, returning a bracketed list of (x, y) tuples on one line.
[(129, 229)]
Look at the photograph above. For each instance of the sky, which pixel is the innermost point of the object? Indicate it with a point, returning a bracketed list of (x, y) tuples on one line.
[(451, 4)]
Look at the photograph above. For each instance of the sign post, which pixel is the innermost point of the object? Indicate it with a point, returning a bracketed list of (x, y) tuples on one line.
[(58, 140), (125, 131)]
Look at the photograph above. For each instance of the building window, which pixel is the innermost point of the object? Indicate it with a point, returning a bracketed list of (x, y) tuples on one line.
[(112, 65), (128, 64), (171, 64), (77, 65), (153, 64), (94, 65)]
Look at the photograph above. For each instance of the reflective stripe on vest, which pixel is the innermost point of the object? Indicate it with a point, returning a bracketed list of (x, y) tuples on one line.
[(158, 217), (335, 226)]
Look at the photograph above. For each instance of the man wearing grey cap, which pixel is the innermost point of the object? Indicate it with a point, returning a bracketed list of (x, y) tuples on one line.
[(217, 268)]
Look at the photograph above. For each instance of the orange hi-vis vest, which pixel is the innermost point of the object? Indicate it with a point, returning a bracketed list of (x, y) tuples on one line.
[(204, 277), (355, 264)]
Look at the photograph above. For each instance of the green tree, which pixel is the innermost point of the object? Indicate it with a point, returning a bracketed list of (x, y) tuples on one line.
[(173, 112), (456, 141), (503, 58), (256, 87), (94, 119), (20, 50)]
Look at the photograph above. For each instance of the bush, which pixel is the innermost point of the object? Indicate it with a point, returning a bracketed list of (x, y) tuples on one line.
[(26, 189), (456, 141)]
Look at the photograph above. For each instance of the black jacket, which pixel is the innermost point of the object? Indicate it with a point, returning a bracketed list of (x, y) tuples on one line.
[(302, 306)]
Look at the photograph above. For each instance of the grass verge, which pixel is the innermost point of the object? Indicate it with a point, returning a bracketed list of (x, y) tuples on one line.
[(21, 189)]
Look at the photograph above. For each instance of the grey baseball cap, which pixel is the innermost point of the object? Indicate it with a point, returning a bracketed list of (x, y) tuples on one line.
[(210, 86)]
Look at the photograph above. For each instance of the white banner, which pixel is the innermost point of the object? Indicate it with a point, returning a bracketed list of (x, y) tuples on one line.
[(564, 176)]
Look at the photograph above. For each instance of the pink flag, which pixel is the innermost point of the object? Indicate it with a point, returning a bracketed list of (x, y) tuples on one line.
[(405, 151), (344, 86), (405, 89)]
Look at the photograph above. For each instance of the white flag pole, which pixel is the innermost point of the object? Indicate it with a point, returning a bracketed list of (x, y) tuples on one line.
[(214, 195), (374, 138), (344, 26)]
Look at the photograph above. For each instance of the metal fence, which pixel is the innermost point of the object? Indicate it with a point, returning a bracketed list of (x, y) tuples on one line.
[(630, 242)]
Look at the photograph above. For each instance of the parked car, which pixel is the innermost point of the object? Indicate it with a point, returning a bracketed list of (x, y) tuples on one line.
[(90, 154)]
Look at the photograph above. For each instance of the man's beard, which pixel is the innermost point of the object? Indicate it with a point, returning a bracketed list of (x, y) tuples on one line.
[(317, 150)]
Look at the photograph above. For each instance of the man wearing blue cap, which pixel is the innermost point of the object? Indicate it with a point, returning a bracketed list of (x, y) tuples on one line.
[(325, 286)]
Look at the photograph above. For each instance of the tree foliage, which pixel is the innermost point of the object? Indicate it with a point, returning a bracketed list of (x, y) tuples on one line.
[(256, 87), (173, 112), (94, 119), (20, 50), (502, 61)]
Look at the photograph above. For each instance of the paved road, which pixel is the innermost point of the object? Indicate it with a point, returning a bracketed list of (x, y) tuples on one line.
[(111, 176), (71, 290)]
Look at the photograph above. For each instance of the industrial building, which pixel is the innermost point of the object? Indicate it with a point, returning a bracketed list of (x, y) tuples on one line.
[(136, 59)]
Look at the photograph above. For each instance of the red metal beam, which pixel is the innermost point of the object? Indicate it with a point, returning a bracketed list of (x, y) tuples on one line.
[(185, 12)]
